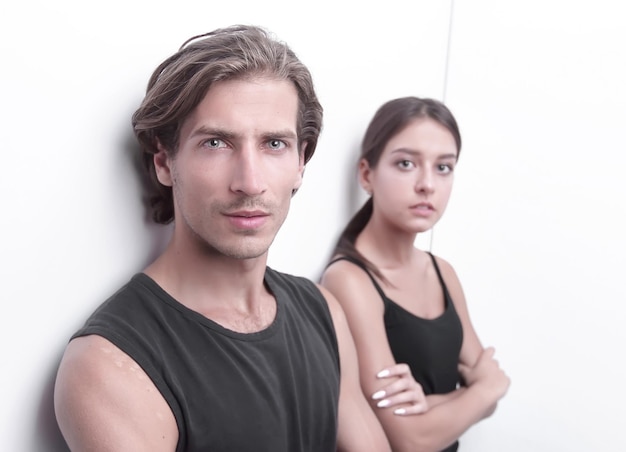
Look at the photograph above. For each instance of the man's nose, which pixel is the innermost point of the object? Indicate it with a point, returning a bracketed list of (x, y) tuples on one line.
[(248, 173)]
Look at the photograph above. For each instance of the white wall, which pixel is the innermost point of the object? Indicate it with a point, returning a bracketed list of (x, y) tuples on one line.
[(534, 227)]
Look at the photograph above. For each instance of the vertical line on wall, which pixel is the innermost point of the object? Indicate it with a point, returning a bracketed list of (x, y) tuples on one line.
[(445, 86), (447, 61)]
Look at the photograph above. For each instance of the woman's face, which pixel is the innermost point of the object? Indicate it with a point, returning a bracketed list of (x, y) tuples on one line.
[(412, 182)]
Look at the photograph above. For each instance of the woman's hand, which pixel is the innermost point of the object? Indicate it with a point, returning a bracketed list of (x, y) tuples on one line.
[(486, 376), (486, 373), (402, 392)]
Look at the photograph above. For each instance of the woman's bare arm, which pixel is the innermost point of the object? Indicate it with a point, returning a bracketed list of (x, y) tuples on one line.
[(448, 418), (359, 429)]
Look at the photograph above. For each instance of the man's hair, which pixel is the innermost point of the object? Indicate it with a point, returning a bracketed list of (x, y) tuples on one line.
[(180, 83)]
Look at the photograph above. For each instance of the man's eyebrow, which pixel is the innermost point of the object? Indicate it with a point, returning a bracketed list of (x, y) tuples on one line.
[(286, 133), (227, 134), (212, 131), (417, 153)]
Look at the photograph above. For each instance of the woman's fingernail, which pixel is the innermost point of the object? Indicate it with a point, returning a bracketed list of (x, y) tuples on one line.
[(383, 403), (400, 411), (383, 373), (378, 395)]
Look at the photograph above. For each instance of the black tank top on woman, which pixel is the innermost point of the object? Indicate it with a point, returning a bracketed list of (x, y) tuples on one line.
[(430, 347)]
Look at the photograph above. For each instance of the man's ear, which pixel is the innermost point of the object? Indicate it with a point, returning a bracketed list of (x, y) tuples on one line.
[(301, 167), (365, 173), (162, 164)]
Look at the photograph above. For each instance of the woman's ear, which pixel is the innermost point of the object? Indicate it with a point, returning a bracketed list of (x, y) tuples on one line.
[(162, 164), (365, 173)]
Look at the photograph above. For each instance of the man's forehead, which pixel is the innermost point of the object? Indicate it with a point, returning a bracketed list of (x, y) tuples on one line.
[(264, 107)]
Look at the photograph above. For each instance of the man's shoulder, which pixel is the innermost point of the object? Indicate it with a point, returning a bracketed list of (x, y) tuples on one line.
[(137, 286), (127, 316), (299, 290), (288, 279), (138, 290)]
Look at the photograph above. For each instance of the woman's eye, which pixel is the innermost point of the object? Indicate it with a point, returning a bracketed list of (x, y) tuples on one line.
[(405, 164), (445, 168)]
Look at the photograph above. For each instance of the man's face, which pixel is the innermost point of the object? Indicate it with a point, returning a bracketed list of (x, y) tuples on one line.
[(236, 167)]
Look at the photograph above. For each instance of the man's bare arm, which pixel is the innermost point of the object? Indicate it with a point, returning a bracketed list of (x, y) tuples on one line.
[(104, 401)]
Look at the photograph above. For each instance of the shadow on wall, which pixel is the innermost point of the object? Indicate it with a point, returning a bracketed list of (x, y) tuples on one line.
[(47, 437), (353, 197), (159, 234)]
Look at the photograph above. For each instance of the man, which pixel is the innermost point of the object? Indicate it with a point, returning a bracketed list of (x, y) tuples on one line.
[(208, 348)]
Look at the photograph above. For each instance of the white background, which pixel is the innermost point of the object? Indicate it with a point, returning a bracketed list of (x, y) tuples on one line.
[(534, 228)]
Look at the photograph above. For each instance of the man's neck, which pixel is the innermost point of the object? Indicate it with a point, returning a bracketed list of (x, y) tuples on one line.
[(226, 290)]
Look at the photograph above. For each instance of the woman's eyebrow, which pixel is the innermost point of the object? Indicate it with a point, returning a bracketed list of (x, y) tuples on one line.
[(417, 152)]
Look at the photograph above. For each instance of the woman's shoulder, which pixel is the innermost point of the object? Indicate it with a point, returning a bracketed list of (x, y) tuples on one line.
[(346, 275), (445, 267), (345, 267)]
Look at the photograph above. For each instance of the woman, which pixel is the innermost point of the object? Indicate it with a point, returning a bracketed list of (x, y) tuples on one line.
[(405, 305)]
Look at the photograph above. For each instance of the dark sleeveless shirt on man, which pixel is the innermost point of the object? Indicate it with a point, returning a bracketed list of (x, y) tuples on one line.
[(272, 390), (430, 347)]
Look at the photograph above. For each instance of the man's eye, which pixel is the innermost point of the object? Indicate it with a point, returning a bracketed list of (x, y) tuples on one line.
[(214, 143), (275, 144)]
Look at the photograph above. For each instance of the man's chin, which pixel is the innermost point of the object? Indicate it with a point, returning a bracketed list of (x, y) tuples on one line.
[(245, 251)]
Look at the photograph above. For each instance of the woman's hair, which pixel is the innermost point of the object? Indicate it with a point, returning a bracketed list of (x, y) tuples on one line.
[(387, 122), (180, 83)]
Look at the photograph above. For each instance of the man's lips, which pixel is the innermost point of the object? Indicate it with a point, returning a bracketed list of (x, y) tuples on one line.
[(247, 219), (247, 213)]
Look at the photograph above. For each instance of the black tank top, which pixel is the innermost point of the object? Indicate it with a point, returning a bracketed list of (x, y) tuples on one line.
[(431, 347), (273, 390)]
